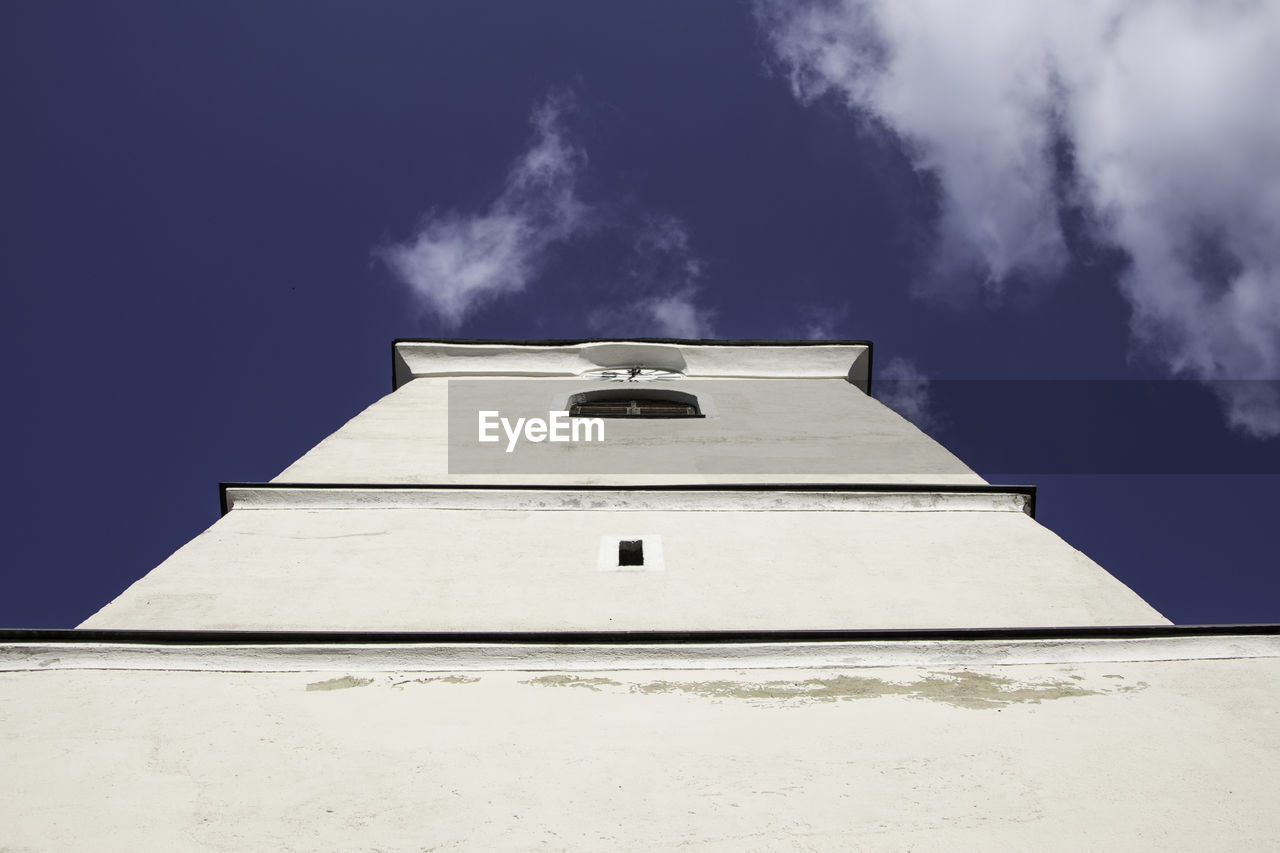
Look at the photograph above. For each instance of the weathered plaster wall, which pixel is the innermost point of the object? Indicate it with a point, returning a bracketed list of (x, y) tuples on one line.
[(441, 569), (800, 419), (1121, 756), (764, 430)]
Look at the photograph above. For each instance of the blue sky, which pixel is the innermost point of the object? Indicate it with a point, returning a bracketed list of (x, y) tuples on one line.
[(217, 216)]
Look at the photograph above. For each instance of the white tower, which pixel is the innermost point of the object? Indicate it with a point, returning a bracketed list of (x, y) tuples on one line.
[(764, 612), (803, 504)]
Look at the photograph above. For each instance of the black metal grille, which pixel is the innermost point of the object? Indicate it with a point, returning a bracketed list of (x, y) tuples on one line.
[(634, 408)]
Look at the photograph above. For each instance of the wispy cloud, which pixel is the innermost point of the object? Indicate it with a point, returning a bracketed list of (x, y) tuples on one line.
[(820, 323), (458, 261), (1153, 119), (674, 316), (666, 274), (902, 387)]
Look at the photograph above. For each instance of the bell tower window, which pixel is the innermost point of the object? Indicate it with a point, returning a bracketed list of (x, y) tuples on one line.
[(628, 403)]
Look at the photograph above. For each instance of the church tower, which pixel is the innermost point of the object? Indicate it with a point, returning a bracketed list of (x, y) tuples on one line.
[(759, 484), (634, 595)]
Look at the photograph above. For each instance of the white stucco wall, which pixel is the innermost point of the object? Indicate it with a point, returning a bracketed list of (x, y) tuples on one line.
[(863, 564), (1181, 755), (1153, 744), (775, 414), (764, 430)]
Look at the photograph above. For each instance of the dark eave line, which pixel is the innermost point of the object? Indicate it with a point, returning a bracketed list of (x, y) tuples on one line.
[(561, 638)]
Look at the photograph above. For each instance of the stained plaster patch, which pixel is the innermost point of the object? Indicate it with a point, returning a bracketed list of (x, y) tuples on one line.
[(339, 683), (438, 679), (351, 681), (962, 689), (593, 684)]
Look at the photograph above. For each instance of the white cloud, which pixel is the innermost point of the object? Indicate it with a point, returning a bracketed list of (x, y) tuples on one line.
[(820, 323), (457, 262), (1168, 110), (663, 255), (671, 315), (903, 388), (676, 316), (666, 271), (819, 330)]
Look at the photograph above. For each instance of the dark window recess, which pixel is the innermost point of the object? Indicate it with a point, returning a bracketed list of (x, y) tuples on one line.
[(631, 552), (632, 408)]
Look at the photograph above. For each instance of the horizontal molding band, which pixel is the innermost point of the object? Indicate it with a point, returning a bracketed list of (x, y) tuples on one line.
[(892, 498), (584, 657), (414, 358)]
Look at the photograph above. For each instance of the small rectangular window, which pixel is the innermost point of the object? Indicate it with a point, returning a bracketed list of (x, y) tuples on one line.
[(634, 553), (631, 552)]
